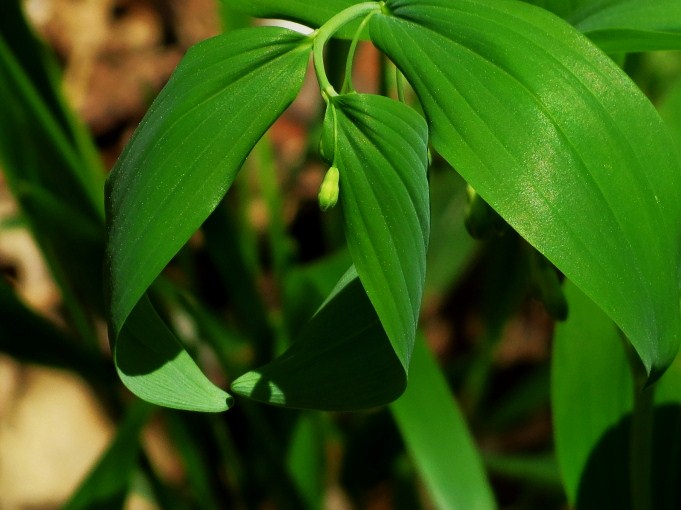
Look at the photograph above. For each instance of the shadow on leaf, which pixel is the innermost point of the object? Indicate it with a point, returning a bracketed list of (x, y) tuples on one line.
[(605, 479), (342, 360)]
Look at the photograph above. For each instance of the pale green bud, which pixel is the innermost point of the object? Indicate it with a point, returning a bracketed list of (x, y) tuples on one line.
[(328, 192)]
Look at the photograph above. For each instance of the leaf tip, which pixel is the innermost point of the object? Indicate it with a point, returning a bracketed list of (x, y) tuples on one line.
[(256, 386)]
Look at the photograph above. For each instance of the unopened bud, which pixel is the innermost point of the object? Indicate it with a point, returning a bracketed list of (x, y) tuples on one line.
[(328, 192)]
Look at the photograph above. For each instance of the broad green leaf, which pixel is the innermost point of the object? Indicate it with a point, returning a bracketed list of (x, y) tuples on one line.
[(632, 25), (341, 361), (591, 394), (381, 153), (107, 485), (560, 142), (187, 151), (561, 7), (231, 18), (592, 399), (178, 165), (623, 25), (438, 439)]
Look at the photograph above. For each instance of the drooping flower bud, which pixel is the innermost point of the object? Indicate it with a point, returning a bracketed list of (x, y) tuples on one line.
[(328, 192)]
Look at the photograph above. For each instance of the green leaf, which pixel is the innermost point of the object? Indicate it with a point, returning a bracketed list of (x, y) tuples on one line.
[(450, 247), (343, 358), (560, 142), (438, 439), (304, 11), (667, 419), (341, 361), (191, 438), (591, 394), (381, 153), (36, 104), (180, 162), (35, 61), (623, 25), (187, 151), (107, 485), (667, 446), (305, 458), (46, 173), (32, 339), (74, 242), (153, 364), (670, 111), (592, 401)]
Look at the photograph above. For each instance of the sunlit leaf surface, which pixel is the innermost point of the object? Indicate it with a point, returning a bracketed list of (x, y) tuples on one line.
[(560, 142)]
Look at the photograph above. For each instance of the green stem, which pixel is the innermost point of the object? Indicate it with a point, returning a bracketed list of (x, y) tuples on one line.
[(329, 28), (347, 81), (640, 439)]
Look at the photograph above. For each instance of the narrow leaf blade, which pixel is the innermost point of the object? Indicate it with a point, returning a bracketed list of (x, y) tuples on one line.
[(107, 485), (438, 439)]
